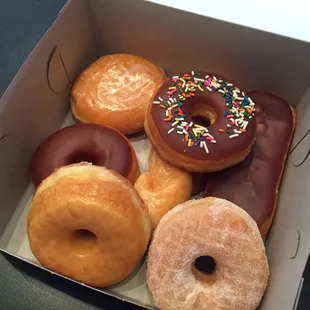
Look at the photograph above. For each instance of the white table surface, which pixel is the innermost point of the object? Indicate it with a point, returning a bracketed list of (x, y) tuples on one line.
[(288, 18)]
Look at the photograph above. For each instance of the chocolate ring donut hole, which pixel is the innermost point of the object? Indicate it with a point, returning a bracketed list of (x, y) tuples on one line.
[(203, 114), (82, 157), (204, 268)]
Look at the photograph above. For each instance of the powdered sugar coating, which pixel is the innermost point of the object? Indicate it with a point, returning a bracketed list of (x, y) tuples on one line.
[(213, 227)]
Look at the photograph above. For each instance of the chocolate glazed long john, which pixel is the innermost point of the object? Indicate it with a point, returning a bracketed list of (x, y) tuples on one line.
[(254, 184)]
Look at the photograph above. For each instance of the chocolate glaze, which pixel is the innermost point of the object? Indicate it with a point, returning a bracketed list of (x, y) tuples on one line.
[(100, 145), (252, 184), (199, 181), (225, 147)]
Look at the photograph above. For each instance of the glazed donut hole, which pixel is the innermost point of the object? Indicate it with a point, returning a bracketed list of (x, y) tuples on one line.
[(204, 268), (84, 241), (203, 114)]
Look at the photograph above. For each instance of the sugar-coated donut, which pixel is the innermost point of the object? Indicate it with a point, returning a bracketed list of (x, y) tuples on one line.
[(97, 144), (88, 223), (162, 187), (115, 91), (201, 122), (207, 254)]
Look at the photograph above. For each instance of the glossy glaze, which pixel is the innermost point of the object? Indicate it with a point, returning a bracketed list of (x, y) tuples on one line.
[(224, 146), (252, 184), (100, 145)]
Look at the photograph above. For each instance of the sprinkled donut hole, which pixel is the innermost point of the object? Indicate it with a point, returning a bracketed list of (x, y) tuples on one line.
[(199, 114)]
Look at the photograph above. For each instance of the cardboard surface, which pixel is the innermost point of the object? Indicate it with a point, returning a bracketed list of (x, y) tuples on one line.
[(180, 41), (31, 109), (37, 104)]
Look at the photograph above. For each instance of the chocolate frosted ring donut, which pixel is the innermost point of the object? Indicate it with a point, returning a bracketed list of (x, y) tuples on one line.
[(97, 144), (201, 122)]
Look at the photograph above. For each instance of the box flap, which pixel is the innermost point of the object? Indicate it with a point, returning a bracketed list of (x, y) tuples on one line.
[(180, 41), (37, 100)]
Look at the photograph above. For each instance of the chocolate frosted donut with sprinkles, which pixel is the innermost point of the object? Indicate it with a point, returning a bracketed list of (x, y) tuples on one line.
[(201, 122)]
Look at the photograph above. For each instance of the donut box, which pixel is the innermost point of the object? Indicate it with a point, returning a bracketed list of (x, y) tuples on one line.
[(36, 104)]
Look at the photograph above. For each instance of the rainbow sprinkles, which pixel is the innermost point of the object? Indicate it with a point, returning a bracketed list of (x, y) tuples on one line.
[(240, 108)]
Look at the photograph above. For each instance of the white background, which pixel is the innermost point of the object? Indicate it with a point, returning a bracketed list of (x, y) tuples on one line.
[(289, 18)]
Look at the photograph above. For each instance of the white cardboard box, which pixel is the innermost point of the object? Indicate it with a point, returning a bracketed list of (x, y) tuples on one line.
[(36, 104)]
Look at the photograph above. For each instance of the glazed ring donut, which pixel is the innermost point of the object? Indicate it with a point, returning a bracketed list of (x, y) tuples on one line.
[(88, 223), (207, 254), (97, 144), (201, 123), (156, 186), (115, 91)]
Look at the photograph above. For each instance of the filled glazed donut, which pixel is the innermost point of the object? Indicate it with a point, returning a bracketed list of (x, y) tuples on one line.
[(88, 223), (97, 144), (162, 187), (115, 91), (201, 122), (207, 254)]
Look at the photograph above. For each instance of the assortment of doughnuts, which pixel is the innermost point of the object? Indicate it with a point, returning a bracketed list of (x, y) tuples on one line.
[(92, 216)]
